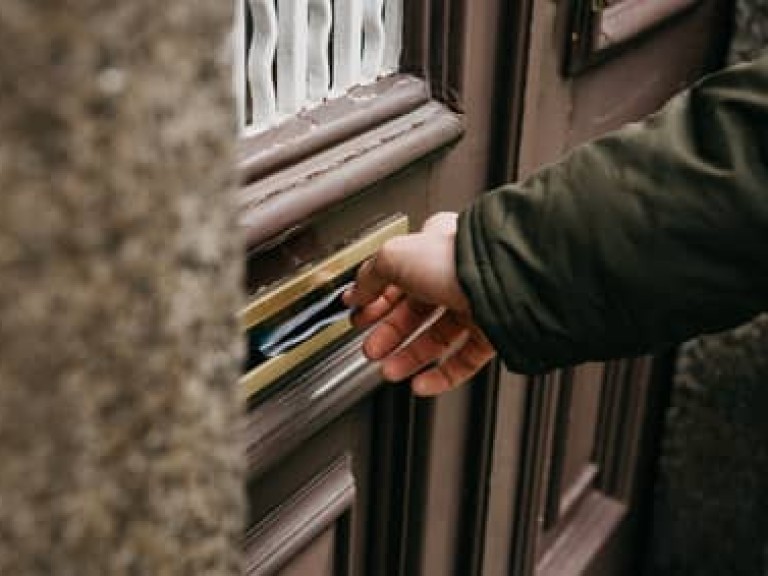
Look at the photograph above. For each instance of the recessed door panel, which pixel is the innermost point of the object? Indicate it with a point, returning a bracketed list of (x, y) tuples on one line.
[(578, 458), (317, 559), (582, 457), (597, 29), (309, 532)]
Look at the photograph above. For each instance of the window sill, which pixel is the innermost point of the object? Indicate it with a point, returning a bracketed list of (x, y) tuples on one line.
[(284, 197), (279, 423), (323, 126)]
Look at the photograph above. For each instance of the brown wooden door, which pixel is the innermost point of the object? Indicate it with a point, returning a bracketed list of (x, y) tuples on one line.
[(344, 474), (569, 466), (507, 475)]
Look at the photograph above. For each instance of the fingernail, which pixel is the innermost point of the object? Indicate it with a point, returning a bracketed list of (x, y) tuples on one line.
[(420, 388), (386, 372)]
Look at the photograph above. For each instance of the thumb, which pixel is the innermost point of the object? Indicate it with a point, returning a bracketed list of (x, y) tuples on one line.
[(441, 223), (383, 269), (422, 265)]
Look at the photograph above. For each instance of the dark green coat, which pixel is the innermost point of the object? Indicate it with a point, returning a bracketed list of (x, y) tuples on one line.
[(645, 237)]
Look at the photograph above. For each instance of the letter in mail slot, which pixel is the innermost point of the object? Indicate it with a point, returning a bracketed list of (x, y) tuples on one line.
[(301, 326), (299, 323), (291, 322)]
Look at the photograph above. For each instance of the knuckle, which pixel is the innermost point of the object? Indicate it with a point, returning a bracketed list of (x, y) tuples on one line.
[(466, 365), (441, 222), (385, 262)]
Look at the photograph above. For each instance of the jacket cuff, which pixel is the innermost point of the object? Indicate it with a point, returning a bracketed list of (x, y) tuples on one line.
[(488, 296)]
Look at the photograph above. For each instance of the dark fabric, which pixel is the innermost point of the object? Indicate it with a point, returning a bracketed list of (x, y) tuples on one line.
[(711, 494), (750, 35), (636, 240)]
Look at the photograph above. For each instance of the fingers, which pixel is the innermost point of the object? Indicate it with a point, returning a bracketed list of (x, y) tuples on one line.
[(459, 367), (383, 269), (442, 223), (376, 310), (407, 288), (452, 350), (421, 265), (369, 285), (396, 327), (425, 349)]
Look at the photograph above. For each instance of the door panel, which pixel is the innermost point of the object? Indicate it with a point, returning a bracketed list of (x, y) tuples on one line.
[(562, 111), (506, 475), (585, 385), (592, 462), (596, 29), (581, 473), (311, 532), (325, 459), (309, 183), (319, 557)]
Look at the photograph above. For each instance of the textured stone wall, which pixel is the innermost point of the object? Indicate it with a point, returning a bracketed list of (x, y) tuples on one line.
[(712, 505), (119, 273), (750, 30), (712, 498)]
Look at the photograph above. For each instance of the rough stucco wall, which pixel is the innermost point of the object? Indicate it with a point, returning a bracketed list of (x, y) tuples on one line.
[(119, 274), (711, 514), (712, 505), (750, 30)]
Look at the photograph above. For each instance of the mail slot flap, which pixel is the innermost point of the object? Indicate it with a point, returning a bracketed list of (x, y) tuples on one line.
[(291, 321)]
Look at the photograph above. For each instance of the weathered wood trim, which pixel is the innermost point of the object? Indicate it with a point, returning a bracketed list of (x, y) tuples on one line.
[(594, 32), (622, 21), (637, 384), (622, 412), (319, 128), (294, 524), (326, 153), (501, 514), (281, 421), (414, 57), (536, 462), (283, 200), (563, 390), (576, 493), (435, 35), (589, 534), (610, 416), (432, 65), (447, 42), (480, 448), (392, 467), (513, 64), (612, 436)]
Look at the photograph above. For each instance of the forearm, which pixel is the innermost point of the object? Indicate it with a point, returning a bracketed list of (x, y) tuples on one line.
[(645, 237)]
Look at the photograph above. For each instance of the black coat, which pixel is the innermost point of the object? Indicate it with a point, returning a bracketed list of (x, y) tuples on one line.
[(645, 237)]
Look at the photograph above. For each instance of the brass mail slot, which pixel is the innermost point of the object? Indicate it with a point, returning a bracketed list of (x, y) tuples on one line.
[(300, 316)]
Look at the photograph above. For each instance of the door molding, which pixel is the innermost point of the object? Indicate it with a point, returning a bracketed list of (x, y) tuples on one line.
[(324, 503), (597, 28)]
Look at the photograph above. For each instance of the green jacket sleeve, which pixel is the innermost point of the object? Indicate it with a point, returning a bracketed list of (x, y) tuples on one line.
[(642, 238)]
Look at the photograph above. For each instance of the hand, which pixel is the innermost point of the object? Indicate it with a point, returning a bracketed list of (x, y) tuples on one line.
[(409, 282)]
